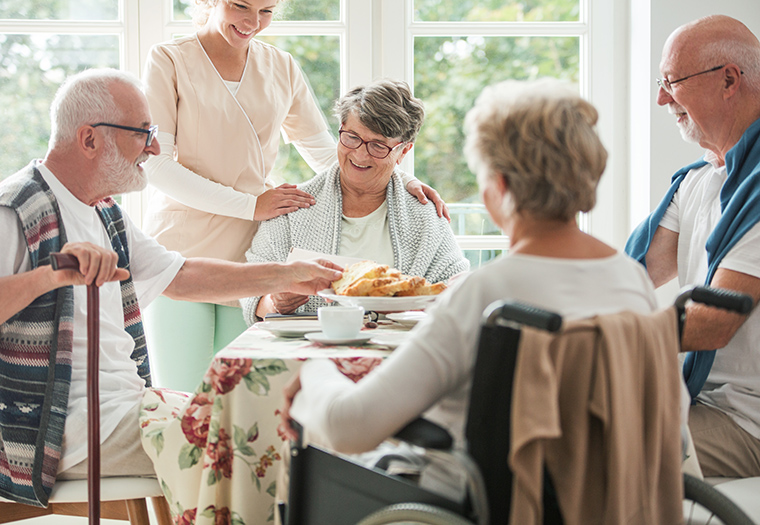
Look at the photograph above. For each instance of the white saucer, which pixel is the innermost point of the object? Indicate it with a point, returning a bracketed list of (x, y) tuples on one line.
[(320, 337), (289, 328), (389, 338), (410, 318)]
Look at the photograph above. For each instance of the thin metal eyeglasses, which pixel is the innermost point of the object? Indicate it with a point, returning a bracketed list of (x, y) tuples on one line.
[(152, 131), (667, 85), (374, 148)]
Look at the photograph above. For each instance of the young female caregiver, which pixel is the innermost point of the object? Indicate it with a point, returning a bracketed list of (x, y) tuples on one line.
[(220, 99)]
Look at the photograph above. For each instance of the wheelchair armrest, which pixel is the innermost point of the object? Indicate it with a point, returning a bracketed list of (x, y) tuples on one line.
[(424, 433)]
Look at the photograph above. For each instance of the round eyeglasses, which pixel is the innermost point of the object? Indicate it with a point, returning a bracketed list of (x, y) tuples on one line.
[(667, 85), (374, 148), (152, 131)]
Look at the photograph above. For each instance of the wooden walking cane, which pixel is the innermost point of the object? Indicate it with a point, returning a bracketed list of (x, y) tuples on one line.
[(62, 261)]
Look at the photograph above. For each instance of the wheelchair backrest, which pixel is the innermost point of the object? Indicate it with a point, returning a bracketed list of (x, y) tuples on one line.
[(488, 418)]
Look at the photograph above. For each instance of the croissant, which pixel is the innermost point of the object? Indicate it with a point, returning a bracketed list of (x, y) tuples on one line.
[(367, 278)]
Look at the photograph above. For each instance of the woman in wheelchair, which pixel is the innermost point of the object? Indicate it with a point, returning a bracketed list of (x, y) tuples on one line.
[(538, 161)]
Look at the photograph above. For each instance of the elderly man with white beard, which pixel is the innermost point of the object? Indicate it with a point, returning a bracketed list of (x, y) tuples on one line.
[(101, 133), (706, 231)]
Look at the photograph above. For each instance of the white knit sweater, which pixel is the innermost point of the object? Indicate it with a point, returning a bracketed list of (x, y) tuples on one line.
[(423, 243)]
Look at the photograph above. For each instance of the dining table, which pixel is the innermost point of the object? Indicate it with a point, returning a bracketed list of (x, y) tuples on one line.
[(217, 450)]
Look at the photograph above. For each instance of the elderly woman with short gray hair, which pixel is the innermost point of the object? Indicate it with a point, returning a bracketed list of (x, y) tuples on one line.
[(362, 209)]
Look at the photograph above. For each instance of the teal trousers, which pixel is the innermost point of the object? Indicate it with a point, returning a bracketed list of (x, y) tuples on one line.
[(182, 338)]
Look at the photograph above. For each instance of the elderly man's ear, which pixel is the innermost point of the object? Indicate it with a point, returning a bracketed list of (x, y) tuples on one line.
[(732, 80), (88, 141)]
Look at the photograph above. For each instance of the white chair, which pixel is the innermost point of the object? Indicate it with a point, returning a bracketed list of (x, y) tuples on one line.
[(118, 498), (122, 498), (744, 492)]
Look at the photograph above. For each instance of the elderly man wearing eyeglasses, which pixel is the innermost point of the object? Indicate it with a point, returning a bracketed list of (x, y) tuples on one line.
[(362, 209), (101, 136), (706, 231)]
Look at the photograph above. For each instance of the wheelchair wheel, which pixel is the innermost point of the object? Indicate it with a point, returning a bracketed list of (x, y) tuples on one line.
[(413, 513), (703, 503)]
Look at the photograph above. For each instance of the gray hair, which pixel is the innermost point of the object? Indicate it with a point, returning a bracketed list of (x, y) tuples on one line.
[(539, 137), (730, 51), (386, 107), (85, 99)]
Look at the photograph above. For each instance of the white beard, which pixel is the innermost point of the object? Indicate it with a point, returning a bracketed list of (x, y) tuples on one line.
[(120, 175), (689, 131)]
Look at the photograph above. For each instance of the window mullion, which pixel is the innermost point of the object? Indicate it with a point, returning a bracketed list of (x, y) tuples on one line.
[(394, 49), (604, 73), (154, 23), (394, 45), (357, 50), (146, 25)]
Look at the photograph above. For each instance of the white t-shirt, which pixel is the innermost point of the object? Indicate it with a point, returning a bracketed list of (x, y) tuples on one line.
[(432, 370), (733, 385), (368, 237), (153, 268)]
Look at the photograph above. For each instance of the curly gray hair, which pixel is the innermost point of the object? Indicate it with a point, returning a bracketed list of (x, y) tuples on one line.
[(540, 138)]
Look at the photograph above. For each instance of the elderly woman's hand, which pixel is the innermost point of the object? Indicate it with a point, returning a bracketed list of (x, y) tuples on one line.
[(285, 198), (286, 303), (423, 192), (289, 393)]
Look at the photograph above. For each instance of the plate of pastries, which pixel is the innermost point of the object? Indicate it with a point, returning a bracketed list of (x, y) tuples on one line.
[(381, 288)]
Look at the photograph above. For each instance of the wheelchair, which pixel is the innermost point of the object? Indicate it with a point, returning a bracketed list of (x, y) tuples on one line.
[(327, 489)]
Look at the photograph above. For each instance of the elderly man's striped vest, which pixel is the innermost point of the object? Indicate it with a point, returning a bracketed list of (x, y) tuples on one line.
[(36, 345)]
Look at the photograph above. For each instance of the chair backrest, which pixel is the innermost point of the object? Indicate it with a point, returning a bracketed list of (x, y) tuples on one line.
[(488, 418)]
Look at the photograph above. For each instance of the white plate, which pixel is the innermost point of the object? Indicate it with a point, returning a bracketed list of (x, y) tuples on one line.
[(389, 339), (319, 337), (407, 318), (381, 304), (284, 328)]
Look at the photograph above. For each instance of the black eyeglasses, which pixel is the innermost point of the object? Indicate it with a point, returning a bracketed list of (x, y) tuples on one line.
[(374, 148), (667, 85), (151, 131)]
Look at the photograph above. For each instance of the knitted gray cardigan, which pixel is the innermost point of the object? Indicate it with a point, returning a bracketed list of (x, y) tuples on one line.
[(423, 243)]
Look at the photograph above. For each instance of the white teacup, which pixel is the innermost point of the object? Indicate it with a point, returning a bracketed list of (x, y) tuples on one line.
[(341, 322)]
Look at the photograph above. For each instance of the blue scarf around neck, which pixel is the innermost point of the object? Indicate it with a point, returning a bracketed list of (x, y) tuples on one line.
[(740, 211)]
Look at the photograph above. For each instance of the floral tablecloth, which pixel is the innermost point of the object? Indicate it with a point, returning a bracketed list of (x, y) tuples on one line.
[(217, 451)]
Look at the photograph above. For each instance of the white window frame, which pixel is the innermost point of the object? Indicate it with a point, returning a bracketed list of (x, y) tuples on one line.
[(126, 28), (370, 48), (602, 80)]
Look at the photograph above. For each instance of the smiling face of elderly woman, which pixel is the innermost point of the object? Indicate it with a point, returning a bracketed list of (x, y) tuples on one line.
[(379, 123)]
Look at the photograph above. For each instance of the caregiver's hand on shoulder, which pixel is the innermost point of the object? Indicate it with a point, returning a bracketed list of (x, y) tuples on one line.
[(285, 198), (423, 192)]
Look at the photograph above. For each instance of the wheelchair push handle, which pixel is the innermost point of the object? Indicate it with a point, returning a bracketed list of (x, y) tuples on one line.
[(717, 297), (502, 313)]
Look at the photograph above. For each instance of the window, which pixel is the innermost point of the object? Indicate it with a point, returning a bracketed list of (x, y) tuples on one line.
[(459, 46), (41, 43), (446, 49)]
